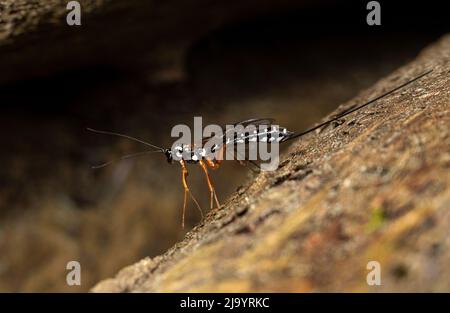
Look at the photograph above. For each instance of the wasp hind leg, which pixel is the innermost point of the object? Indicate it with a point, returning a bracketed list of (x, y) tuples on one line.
[(185, 174), (212, 190)]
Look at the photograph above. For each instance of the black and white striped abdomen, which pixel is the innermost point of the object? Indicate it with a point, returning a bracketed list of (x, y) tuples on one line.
[(270, 134)]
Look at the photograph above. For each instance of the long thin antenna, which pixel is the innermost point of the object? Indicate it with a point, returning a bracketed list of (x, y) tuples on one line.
[(128, 156), (357, 108), (124, 136)]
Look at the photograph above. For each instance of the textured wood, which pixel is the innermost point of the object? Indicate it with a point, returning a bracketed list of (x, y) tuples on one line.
[(376, 187)]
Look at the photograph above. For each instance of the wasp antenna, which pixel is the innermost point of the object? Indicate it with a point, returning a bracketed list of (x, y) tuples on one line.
[(339, 116), (124, 136), (125, 157)]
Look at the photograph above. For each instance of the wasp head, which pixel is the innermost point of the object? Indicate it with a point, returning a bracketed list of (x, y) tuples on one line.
[(168, 154)]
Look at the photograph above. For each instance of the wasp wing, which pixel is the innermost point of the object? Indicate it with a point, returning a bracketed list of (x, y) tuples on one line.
[(257, 122)]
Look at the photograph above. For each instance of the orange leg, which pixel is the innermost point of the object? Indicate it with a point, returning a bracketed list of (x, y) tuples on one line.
[(215, 164), (210, 184), (187, 191)]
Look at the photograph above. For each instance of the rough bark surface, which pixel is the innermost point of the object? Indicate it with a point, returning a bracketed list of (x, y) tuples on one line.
[(375, 187)]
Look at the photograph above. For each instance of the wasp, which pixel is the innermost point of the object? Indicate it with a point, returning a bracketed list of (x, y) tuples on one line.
[(266, 132)]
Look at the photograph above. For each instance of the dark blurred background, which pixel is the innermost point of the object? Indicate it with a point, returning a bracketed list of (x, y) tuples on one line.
[(140, 67)]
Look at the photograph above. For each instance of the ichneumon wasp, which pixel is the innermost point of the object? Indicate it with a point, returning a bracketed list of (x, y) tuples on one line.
[(212, 158)]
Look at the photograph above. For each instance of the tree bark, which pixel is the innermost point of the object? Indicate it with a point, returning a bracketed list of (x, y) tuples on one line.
[(374, 187)]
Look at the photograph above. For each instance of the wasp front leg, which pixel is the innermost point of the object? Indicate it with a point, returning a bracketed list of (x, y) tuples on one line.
[(184, 176)]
